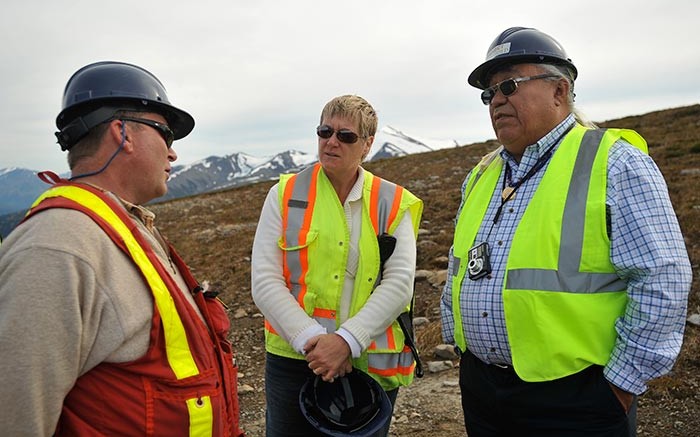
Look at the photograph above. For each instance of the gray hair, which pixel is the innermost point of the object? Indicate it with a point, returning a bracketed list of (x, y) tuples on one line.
[(563, 72)]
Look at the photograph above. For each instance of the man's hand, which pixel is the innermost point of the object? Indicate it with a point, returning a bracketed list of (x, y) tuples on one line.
[(328, 355)]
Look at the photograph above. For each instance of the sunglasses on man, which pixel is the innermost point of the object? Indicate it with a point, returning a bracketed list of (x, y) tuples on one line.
[(509, 86), (344, 135), (163, 130)]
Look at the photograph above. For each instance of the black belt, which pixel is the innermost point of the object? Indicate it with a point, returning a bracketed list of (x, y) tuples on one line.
[(499, 366)]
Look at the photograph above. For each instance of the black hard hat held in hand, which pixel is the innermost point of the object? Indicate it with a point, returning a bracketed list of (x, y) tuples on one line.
[(95, 92), (354, 405), (520, 45)]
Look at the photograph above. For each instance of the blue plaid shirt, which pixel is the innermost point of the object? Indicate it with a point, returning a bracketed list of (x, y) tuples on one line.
[(647, 250)]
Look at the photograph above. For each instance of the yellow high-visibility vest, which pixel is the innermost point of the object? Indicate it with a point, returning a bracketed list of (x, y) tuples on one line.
[(315, 245), (561, 294)]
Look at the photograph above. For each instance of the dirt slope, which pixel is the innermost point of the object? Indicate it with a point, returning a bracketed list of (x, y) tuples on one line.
[(214, 232)]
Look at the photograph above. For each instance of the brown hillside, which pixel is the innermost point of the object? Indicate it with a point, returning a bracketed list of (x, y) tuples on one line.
[(214, 232)]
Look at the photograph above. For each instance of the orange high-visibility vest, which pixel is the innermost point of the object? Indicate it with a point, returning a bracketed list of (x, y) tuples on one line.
[(186, 383)]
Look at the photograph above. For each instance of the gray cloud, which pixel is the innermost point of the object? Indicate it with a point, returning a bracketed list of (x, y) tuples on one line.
[(256, 74)]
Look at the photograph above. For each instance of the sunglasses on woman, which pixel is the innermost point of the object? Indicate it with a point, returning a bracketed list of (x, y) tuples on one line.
[(163, 130), (344, 135), (508, 87)]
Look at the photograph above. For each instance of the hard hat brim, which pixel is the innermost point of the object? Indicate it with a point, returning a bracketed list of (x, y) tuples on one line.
[(479, 78), (379, 421)]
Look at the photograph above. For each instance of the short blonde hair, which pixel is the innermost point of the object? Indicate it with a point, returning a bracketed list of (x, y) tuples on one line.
[(355, 108)]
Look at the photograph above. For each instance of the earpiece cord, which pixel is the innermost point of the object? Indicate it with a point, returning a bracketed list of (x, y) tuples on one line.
[(121, 145)]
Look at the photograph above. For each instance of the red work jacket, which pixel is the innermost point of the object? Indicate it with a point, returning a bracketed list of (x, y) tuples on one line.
[(186, 383)]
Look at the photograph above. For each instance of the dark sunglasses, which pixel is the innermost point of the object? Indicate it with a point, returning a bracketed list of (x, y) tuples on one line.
[(163, 130), (344, 135), (509, 86)]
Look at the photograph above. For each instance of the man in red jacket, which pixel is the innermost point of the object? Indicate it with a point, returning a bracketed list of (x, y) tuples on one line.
[(103, 329)]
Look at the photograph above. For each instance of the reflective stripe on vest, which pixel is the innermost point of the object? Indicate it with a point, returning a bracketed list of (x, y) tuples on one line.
[(177, 349), (383, 202), (391, 364), (567, 276), (299, 200), (297, 210), (570, 287)]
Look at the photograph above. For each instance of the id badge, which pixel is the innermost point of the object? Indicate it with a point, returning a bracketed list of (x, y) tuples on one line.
[(479, 261)]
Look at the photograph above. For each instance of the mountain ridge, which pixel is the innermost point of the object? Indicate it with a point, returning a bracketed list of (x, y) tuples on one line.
[(216, 173), (21, 186)]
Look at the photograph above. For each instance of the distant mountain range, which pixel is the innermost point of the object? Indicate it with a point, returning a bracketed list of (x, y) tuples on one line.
[(20, 187), (216, 173)]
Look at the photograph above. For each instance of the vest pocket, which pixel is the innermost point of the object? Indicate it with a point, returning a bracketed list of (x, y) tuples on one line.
[(296, 264), (304, 236), (219, 319), (183, 404)]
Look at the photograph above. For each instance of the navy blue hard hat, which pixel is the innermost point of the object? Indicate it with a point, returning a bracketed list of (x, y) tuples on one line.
[(354, 405), (95, 92), (520, 45)]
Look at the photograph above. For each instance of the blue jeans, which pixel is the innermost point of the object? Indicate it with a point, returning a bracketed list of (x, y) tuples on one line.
[(284, 378)]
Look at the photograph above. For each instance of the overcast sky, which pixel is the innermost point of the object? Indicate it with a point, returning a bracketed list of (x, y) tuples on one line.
[(256, 74)]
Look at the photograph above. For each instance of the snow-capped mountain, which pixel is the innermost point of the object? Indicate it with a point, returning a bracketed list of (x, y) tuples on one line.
[(390, 142), (20, 187), (215, 173)]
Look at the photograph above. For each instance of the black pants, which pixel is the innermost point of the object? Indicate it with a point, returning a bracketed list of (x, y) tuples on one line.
[(497, 403)]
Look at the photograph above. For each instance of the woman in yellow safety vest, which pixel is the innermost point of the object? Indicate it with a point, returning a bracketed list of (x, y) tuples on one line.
[(316, 274)]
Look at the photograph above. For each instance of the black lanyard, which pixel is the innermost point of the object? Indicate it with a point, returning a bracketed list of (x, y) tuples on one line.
[(535, 168)]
